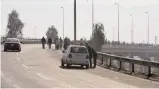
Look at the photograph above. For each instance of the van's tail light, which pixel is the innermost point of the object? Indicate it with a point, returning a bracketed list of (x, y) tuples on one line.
[(87, 57), (69, 56)]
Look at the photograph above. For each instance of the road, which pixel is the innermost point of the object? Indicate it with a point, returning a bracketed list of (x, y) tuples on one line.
[(34, 67)]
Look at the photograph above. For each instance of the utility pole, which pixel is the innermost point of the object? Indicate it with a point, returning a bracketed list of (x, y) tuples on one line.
[(75, 21), (147, 28), (63, 21), (35, 32), (118, 20), (92, 15), (132, 31), (155, 40)]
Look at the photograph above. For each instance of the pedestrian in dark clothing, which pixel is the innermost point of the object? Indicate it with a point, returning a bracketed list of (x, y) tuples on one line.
[(94, 55), (55, 42), (66, 43), (49, 42), (61, 42), (43, 41), (90, 54)]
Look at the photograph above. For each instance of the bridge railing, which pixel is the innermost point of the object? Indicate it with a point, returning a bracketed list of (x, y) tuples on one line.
[(108, 58)]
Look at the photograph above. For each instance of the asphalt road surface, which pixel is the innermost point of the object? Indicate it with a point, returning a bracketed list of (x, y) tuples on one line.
[(35, 67)]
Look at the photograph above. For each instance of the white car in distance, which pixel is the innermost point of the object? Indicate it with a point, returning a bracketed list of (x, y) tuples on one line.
[(75, 55)]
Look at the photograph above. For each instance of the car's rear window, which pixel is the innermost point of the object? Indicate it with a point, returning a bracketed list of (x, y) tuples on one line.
[(12, 40), (78, 50)]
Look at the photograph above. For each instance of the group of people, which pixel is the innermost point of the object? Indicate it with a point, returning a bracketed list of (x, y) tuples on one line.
[(58, 43), (49, 42)]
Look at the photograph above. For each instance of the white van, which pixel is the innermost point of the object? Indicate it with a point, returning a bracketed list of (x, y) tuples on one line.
[(75, 55)]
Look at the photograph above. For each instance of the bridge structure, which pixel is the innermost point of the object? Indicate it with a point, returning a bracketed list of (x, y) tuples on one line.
[(35, 67)]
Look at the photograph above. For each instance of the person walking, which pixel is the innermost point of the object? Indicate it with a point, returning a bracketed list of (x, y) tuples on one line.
[(57, 43), (90, 54), (65, 43), (61, 43), (94, 55), (49, 42), (43, 41)]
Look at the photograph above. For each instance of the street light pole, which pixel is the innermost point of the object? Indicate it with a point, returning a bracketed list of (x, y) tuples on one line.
[(118, 20), (92, 15), (132, 31), (75, 21), (148, 27), (63, 22), (35, 31)]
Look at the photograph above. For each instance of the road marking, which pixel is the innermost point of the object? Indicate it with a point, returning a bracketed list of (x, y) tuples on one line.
[(25, 66), (16, 86), (40, 74), (18, 59), (116, 78)]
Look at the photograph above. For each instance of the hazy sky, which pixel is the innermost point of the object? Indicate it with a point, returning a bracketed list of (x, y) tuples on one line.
[(44, 13)]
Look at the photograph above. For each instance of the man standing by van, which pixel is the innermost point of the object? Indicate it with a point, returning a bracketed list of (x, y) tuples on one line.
[(90, 54), (94, 55)]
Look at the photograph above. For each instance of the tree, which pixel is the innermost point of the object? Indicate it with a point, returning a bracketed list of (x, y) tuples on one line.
[(52, 33), (98, 36), (14, 25)]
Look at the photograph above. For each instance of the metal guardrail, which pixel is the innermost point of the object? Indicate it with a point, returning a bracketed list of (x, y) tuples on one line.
[(132, 61)]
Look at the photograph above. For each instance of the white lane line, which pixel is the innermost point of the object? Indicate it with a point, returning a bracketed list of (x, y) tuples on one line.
[(16, 86), (116, 78), (25, 66), (18, 59), (42, 76)]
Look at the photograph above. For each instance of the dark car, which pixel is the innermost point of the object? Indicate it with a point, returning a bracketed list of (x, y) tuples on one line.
[(12, 44)]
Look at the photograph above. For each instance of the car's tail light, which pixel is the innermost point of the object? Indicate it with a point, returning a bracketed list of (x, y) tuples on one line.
[(69, 56), (87, 57)]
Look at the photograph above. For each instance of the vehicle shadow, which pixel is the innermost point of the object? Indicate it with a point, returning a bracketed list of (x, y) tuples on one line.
[(10, 51), (73, 68)]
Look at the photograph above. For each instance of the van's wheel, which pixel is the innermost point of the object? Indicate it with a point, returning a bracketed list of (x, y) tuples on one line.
[(81, 66), (62, 63), (87, 66), (5, 49), (19, 50), (68, 65)]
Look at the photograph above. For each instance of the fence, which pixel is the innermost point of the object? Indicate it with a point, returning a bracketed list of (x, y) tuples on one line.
[(25, 40), (108, 60), (30, 41)]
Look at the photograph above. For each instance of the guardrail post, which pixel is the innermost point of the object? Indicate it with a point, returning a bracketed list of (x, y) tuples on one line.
[(149, 72), (110, 62), (132, 68), (119, 65), (101, 61)]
